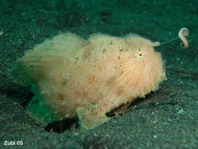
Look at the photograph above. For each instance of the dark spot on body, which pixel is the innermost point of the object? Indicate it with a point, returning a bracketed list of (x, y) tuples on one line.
[(60, 96), (64, 81), (120, 92), (91, 79), (76, 59), (104, 50), (111, 81)]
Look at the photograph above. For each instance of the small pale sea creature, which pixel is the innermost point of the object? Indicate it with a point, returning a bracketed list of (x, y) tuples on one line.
[(72, 76)]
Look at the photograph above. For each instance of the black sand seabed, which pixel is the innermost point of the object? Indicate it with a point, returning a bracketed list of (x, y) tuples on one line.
[(167, 118)]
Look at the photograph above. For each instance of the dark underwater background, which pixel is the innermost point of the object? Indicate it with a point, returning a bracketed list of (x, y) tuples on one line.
[(167, 118)]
